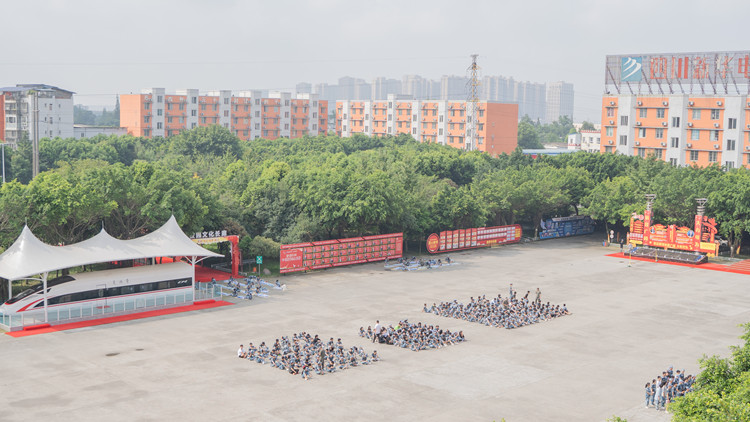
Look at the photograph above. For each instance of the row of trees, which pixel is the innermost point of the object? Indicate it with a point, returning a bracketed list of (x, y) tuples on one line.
[(313, 188), (534, 134)]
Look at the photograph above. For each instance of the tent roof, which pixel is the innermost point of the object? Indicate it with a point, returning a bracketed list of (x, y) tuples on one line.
[(28, 255)]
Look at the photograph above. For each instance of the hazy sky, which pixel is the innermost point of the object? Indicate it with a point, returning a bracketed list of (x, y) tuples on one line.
[(106, 47)]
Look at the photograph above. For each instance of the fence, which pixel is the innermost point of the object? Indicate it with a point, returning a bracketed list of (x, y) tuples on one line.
[(113, 307)]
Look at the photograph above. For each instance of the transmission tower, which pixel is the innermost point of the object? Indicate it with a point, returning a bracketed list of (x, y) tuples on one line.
[(471, 101)]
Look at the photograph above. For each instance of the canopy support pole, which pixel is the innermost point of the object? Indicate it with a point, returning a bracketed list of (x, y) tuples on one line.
[(10, 289), (192, 281), (44, 286)]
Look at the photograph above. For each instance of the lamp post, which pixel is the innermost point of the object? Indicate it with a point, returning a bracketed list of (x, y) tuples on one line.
[(2, 146)]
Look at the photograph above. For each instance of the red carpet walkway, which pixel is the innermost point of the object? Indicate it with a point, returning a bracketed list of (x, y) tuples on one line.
[(204, 304), (742, 267)]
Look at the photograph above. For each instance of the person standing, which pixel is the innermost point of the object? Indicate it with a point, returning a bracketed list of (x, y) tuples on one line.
[(378, 329), (538, 296)]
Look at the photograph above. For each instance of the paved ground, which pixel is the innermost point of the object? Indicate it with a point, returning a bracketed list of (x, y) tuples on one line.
[(628, 324)]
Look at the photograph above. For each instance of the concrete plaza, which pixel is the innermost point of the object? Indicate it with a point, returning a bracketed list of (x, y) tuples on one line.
[(628, 324)]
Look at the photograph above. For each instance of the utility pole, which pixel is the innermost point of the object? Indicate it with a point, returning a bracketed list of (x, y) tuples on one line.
[(471, 102)]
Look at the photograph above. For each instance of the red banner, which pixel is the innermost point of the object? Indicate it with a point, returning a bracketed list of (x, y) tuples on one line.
[(340, 252), (454, 240), (701, 239)]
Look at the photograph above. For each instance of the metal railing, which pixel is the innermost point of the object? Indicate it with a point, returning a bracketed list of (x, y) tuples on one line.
[(106, 308)]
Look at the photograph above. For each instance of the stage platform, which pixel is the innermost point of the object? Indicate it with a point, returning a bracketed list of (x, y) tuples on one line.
[(742, 267), (46, 328)]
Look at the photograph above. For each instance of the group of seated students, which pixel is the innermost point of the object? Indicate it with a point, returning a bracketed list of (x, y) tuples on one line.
[(498, 312), (663, 389), (417, 263), (249, 286), (303, 354), (413, 336)]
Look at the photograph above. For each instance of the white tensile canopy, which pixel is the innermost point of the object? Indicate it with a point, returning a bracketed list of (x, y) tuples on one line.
[(29, 256)]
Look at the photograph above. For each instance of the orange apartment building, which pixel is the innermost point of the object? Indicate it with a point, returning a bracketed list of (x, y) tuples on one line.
[(686, 109), (443, 122), (248, 115)]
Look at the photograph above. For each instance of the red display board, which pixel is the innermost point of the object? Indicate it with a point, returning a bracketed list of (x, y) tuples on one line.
[(643, 232), (481, 237), (340, 252)]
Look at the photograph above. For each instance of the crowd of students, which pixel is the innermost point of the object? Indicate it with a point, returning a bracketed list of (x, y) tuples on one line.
[(509, 312), (414, 263), (249, 286), (412, 336), (303, 354), (663, 389)]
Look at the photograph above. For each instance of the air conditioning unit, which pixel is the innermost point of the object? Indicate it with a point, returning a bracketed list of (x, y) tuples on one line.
[(716, 125), (637, 123), (613, 122), (719, 103), (747, 147), (640, 103), (612, 103), (690, 124), (612, 142), (663, 144), (716, 146), (689, 145), (663, 123), (665, 103), (637, 142), (691, 103)]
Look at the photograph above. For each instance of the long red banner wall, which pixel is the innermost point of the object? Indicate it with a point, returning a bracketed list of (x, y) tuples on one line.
[(480, 237), (340, 252)]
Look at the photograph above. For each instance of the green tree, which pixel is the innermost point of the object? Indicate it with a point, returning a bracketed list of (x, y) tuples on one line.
[(528, 135), (613, 201), (83, 116), (586, 125)]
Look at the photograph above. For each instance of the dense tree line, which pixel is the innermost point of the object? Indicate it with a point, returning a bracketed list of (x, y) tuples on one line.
[(722, 391), (313, 188)]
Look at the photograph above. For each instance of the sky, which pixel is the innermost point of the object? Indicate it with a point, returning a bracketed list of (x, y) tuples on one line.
[(99, 49)]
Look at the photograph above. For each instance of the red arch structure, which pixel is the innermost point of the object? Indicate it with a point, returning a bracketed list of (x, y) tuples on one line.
[(234, 248)]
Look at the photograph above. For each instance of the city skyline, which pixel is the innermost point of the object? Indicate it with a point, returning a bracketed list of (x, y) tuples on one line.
[(95, 50)]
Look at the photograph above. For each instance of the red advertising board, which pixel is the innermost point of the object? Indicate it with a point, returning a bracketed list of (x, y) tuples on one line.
[(700, 239), (454, 240), (340, 252)]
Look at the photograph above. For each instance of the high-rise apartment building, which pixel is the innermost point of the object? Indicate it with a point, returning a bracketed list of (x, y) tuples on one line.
[(687, 109), (383, 87), (248, 115), (439, 121), (38, 110), (559, 101)]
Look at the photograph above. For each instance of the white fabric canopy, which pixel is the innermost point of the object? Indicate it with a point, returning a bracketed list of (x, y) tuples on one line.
[(28, 255)]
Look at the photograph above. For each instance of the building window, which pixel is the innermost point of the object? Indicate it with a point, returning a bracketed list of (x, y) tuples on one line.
[(696, 114), (641, 152), (203, 107), (695, 135), (658, 153), (643, 113), (226, 113), (623, 139), (659, 133), (623, 120), (146, 119), (194, 100), (641, 132), (169, 106), (660, 113), (712, 156), (158, 125), (675, 122), (731, 144), (159, 112), (159, 99), (729, 164), (193, 113), (693, 155), (732, 124), (714, 135), (440, 131), (610, 112), (675, 143), (714, 114), (169, 119), (673, 161)]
